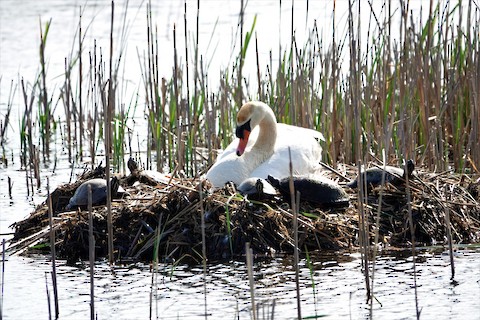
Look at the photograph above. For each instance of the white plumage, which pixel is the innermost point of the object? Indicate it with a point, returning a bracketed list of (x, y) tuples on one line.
[(265, 151)]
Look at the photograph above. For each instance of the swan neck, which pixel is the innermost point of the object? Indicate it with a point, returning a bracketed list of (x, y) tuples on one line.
[(267, 134)]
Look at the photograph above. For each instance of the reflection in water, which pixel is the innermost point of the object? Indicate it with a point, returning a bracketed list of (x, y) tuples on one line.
[(338, 291)]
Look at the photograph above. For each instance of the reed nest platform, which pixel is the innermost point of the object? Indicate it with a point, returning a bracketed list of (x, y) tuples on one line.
[(170, 213)]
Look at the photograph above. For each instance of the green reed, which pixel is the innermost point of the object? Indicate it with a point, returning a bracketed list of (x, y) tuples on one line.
[(27, 146), (45, 112), (5, 122), (119, 138), (419, 85), (311, 271), (401, 90)]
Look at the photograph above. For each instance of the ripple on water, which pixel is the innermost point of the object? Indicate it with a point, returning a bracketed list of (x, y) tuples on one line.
[(339, 290)]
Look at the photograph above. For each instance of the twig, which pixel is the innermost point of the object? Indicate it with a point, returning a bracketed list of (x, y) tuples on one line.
[(335, 171)]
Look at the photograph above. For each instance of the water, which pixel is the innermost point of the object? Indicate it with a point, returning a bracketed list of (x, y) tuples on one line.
[(339, 292), (124, 292)]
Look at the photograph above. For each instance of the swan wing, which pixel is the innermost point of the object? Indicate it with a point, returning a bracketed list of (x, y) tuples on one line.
[(231, 168), (305, 149)]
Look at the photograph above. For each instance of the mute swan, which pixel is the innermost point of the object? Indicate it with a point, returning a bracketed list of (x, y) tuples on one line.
[(259, 152)]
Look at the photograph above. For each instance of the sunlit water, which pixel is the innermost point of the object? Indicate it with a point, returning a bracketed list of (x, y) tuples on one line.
[(339, 290), (336, 289)]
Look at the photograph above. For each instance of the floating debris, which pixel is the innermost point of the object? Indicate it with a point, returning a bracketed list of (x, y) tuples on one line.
[(170, 213)]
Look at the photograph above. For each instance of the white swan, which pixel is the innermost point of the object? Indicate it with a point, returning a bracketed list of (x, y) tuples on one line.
[(259, 152)]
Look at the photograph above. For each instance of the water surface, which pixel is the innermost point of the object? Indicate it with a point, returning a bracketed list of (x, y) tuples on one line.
[(338, 293)]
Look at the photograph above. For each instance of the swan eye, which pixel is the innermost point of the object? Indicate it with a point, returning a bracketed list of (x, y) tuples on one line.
[(239, 131)]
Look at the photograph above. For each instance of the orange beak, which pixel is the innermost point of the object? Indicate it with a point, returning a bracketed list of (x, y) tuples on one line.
[(242, 144)]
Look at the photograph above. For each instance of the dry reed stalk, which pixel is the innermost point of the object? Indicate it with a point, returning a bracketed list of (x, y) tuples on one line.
[(111, 258), (52, 250), (68, 112), (187, 66), (152, 286), (291, 70), (176, 97), (334, 91), (196, 76), (108, 112), (6, 120), (413, 244), (385, 139), (251, 281), (176, 102), (44, 95), (158, 233), (151, 85), (80, 89), (239, 88), (48, 297), (449, 235), (10, 188), (91, 250), (295, 201), (36, 167), (97, 95), (204, 246), (26, 127), (356, 100), (3, 278), (27, 183), (160, 105), (259, 79)]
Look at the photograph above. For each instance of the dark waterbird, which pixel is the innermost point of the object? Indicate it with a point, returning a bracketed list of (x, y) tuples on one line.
[(314, 189), (99, 192), (393, 175)]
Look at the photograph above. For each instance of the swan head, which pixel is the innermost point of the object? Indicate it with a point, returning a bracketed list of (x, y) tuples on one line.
[(243, 133), (248, 117)]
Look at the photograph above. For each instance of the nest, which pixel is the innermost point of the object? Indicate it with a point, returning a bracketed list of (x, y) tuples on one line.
[(166, 219)]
